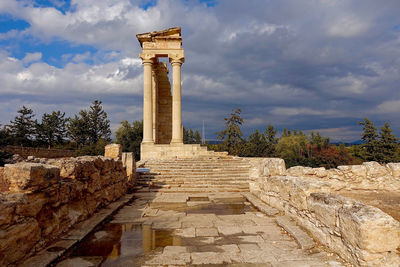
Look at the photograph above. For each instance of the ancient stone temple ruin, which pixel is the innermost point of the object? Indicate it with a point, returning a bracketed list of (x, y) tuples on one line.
[(162, 111)]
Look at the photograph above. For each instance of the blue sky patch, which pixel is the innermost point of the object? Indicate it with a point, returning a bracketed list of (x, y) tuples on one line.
[(8, 23)]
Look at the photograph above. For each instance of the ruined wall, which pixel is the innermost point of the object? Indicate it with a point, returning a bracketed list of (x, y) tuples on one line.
[(361, 234), (45, 200), (38, 152), (164, 106)]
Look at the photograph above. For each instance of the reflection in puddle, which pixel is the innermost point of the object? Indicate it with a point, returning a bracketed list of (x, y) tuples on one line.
[(117, 241), (129, 244)]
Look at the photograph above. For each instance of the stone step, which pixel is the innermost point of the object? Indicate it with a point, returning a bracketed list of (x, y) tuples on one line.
[(198, 176), (193, 180), (197, 166), (302, 238), (233, 183), (192, 190)]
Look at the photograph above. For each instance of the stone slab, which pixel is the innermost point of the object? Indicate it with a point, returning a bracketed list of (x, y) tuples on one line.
[(304, 241)]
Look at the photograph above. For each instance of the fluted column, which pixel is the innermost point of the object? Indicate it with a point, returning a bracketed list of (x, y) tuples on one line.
[(147, 100), (177, 135)]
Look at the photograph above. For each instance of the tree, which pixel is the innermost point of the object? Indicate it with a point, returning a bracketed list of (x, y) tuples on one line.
[(22, 127), (78, 129), (292, 149), (130, 137), (99, 125), (270, 137), (52, 130), (4, 140), (256, 146), (89, 127), (232, 135), (197, 137), (370, 138), (387, 144)]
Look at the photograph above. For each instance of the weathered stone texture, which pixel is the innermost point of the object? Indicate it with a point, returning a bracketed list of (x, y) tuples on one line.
[(30, 176), (45, 200), (361, 234), (113, 151), (128, 161)]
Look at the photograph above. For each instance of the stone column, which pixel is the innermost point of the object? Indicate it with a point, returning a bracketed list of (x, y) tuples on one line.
[(177, 135), (154, 101), (147, 100)]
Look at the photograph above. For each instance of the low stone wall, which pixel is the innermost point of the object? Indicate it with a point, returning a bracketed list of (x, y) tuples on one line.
[(361, 234), (38, 152), (369, 175), (45, 200)]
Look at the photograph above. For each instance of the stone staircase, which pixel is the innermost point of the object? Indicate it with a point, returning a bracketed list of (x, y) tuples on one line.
[(214, 173)]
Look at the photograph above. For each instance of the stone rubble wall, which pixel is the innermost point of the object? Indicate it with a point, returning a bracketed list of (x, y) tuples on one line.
[(46, 199), (369, 175), (361, 234), (38, 152)]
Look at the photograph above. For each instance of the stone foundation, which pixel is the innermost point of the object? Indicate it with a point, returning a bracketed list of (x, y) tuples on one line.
[(45, 200), (361, 234), (170, 151)]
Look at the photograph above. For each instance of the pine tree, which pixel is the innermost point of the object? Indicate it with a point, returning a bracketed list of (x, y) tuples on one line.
[(52, 130), (99, 125), (197, 137), (89, 127), (387, 144), (271, 140), (22, 127), (232, 135), (370, 138)]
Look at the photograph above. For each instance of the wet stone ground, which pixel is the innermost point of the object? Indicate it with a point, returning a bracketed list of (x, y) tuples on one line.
[(193, 230)]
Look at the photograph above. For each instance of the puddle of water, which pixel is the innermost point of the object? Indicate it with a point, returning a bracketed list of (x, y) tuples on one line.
[(127, 244), (123, 241)]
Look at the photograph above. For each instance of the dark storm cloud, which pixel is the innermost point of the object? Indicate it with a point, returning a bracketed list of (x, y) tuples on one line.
[(310, 65)]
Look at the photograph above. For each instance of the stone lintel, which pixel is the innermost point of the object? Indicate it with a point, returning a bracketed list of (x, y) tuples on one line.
[(170, 53)]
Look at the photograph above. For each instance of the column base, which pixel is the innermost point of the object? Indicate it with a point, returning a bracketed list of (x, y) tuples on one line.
[(148, 142), (176, 141)]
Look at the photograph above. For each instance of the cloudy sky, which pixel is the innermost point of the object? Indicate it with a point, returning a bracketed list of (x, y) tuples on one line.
[(310, 65)]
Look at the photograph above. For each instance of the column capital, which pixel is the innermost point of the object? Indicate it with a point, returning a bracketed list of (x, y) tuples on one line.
[(147, 58), (176, 59)]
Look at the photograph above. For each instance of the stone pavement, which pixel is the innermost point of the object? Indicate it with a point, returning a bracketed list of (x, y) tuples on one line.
[(178, 229)]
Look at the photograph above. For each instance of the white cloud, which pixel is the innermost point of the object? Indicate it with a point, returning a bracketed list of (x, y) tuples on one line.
[(32, 57), (391, 106), (347, 26), (295, 111)]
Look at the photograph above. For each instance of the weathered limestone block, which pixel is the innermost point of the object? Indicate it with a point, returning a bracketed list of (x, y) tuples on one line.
[(128, 161), (325, 207), (7, 211), (336, 174), (394, 169), (355, 173), (274, 167), (369, 228), (17, 241), (320, 172), (29, 204), (30, 176), (113, 151), (296, 171), (375, 170)]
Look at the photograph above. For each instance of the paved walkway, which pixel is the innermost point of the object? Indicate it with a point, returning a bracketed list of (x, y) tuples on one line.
[(191, 229)]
